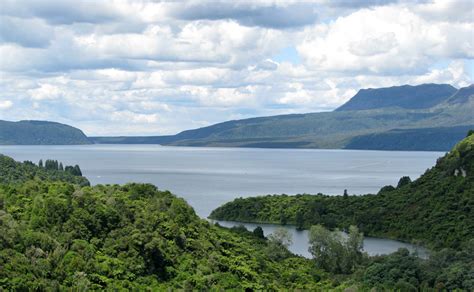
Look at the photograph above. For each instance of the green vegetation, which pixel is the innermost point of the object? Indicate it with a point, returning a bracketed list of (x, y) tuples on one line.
[(436, 209), (40, 133), (59, 233), (56, 235), (12, 172), (333, 252), (447, 269)]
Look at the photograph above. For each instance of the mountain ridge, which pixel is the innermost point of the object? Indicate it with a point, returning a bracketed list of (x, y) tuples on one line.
[(383, 125)]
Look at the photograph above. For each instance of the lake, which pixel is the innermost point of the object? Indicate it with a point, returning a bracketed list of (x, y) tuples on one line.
[(209, 177)]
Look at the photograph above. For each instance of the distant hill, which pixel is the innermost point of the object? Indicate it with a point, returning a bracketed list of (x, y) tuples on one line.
[(424, 117), (40, 133), (406, 96)]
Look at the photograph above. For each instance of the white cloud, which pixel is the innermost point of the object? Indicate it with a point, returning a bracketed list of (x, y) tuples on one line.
[(5, 104), (45, 92), (455, 74), (148, 67), (384, 40)]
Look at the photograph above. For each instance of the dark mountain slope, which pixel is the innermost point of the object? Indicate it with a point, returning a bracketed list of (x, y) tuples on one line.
[(406, 96), (424, 139), (40, 133)]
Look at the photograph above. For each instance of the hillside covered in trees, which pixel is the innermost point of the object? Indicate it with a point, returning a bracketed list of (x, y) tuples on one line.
[(40, 133), (59, 233), (436, 210), (55, 233)]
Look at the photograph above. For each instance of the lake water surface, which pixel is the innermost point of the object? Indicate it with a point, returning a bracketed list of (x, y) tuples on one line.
[(209, 177)]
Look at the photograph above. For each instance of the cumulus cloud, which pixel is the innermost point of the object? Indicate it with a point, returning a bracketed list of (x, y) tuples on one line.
[(45, 92), (385, 40), (159, 67)]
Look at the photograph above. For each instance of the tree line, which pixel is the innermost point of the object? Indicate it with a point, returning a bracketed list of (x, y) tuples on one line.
[(50, 164)]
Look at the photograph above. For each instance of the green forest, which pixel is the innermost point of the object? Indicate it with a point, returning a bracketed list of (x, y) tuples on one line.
[(56, 232), (59, 233)]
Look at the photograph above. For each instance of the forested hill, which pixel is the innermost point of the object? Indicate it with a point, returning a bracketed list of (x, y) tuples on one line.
[(57, 235), (437, 209), (40, 133)]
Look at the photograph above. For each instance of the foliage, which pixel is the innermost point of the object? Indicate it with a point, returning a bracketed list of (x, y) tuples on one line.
[(446, 269), (333, 252), (55, 235), (436, 209), (12, 172)]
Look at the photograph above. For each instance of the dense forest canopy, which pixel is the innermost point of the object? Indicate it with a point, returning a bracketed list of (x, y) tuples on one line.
[(58, 232)]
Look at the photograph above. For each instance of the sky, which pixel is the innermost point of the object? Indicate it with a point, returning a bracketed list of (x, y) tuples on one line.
[(153, 68)]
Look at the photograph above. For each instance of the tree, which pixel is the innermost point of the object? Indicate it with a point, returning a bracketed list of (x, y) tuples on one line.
[(281, 236), (283, 219), (333, 252), (322, 247), (258, 232), (299, 219), (61, 168), (345, 193), (77, 170), (405, 180), (278, 243), (40, 163), (354, 245)]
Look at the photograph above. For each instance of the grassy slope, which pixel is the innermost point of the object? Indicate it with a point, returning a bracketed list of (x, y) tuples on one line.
[(436, 209)]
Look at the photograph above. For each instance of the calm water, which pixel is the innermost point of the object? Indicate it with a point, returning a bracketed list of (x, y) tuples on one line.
[(209, 177)]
